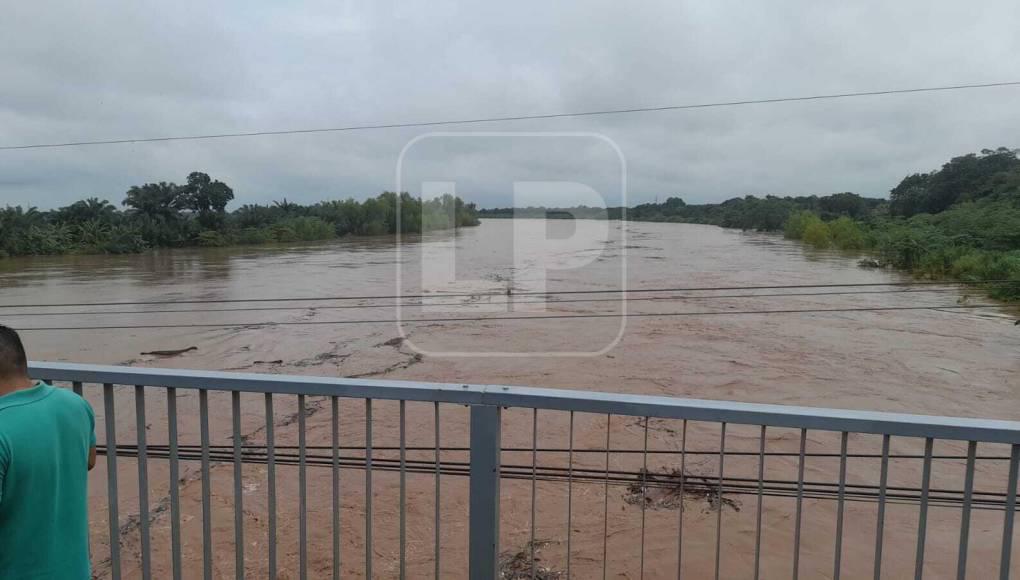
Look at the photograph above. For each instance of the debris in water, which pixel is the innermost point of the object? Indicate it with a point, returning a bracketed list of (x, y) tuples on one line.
[(321, 358), (518, 565), (413, 360), (171, 352), (662, 491), (278, 361)]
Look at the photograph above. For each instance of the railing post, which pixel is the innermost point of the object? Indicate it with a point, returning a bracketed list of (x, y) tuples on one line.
[(484, 500)]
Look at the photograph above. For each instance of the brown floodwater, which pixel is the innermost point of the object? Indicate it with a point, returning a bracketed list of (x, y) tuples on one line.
[(943, 361)]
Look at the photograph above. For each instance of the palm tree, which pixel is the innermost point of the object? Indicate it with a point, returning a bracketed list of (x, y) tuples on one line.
[(285, 206), (154, 200), (91, 209)]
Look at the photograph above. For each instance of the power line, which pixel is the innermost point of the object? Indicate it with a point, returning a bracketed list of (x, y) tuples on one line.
[(503, 294), (251, 325), (468, 304), (511, 118)]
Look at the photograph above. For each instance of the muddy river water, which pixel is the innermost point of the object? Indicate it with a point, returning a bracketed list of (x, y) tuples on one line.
[(952, 361)]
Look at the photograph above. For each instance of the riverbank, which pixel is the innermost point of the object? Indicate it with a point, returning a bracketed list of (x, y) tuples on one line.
[(977, 242)]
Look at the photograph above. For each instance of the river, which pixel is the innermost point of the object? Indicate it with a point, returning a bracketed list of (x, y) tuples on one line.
[(950, 361)]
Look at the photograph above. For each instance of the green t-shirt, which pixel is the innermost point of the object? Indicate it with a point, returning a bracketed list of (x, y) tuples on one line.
[(45, 436)]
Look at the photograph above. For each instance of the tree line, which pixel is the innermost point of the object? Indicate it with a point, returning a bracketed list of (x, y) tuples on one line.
[(166, 214), (961, 221), (768, 213)]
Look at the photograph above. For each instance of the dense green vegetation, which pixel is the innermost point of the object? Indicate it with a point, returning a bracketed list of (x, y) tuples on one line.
[(961, 221), (750, 213), (767, 213), (158, 215)]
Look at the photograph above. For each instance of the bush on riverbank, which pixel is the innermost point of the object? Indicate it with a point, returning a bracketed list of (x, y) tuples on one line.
[(972, 242), (973, 237), (169, 215), (927, 247), (843, 233)]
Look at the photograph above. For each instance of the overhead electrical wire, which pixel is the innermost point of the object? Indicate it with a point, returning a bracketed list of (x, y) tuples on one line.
[(469, 304), (495, 119), (249, 325), (502, 293)]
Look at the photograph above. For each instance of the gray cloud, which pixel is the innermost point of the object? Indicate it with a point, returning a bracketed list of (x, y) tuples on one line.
[(109, 70)]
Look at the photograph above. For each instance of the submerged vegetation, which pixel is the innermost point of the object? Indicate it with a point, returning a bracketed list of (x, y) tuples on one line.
[(961, 221), (161, 215)]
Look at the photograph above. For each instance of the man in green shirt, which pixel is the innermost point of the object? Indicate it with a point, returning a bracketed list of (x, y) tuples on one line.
[(47, 446)]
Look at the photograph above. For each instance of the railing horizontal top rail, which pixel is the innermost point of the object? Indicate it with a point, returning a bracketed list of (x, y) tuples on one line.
[(986, 430)]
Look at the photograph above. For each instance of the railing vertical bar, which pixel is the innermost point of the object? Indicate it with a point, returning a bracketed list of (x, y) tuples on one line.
[(1007, 524), (438, 524), (368, 488), (143, 482), (483, 511), (271, 482), (605, 521), (302, 492), (77, 388), (719, 503), (570, 487), (534, 489), (235, 400), (335, 440), (883, 483), (840, 507), (112, 495), (644, 497), (203, 419), (403, 490), (761, 497), (968, 497), (798, 517), (175, 482), (922, 522), (680, 517)]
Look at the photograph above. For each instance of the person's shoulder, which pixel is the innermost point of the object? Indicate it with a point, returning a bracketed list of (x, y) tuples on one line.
[(67, 397), (72, 404), (63, 395)]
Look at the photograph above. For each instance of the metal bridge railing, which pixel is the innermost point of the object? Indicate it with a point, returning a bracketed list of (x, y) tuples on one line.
[(250, 475)]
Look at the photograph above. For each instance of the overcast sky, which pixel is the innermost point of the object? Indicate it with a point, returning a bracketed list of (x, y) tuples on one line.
[(96, 70)]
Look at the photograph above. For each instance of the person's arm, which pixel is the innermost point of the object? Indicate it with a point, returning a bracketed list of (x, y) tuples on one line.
[(92, 434), (4, 460)]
